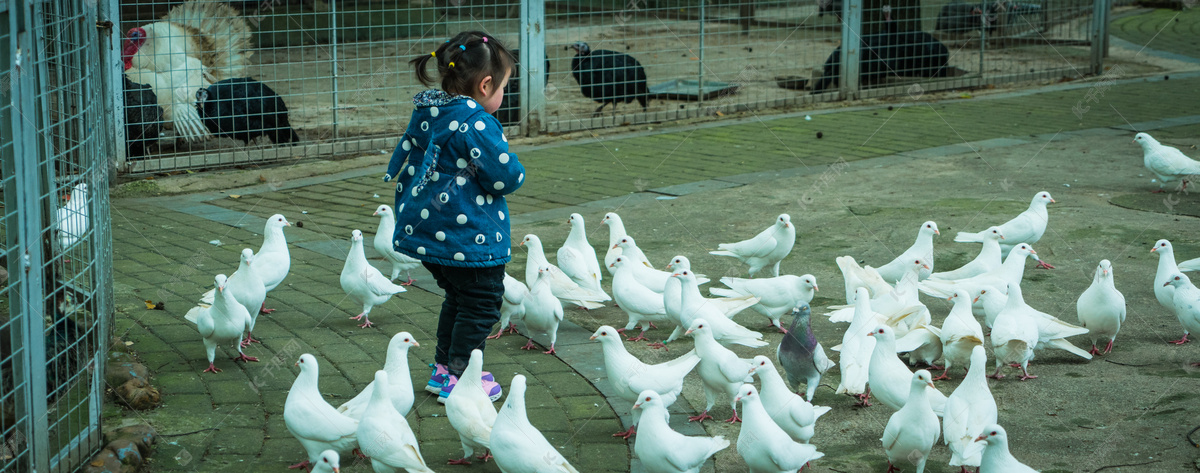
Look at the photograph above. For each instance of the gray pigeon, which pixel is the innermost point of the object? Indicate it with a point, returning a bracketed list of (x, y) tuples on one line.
[(800, 355)]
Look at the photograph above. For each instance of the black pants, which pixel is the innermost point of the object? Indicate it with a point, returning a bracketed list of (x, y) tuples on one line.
[(471, 308)]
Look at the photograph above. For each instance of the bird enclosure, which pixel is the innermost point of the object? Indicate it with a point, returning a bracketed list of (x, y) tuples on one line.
[(332, 77), (55, 251)]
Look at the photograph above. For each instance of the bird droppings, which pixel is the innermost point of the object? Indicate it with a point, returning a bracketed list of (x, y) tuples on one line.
[(215, 242), (299, 224), (890, 108), (820, 135)]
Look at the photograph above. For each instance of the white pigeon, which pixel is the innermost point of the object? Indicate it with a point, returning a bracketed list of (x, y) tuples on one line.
[(911, 431), (991, 301), (724, 330), (1166, 162), (720, 370), (899, 307), (577, 258), (996, 457), (640, 303), (512, 305), (961, 333), (922, 248), (729, 305), (363, 283), (1027, 227), (273, 259), (1101, 308), (330, 463), (856, 276), (517, 445), (890, 378), (923, 345), (989, 258), (383, 245), (71, 221), (470, 411), (616, 231), (1012, 271), (777, 296), (1052, 332), (763, 445), (247, 289), (969, 409), (224, 321), (1187, 303), (385, 435), (652, 278), (856, 350), (563, 287), (1014, 335), (543, 311), (400, 387), (789, 410), (630, 376), (1165, 293), (663, 450), (766, 249), (316, 424)]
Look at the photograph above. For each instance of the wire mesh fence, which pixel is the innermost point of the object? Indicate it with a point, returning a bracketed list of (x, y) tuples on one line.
[(250, 81), (55, 254)]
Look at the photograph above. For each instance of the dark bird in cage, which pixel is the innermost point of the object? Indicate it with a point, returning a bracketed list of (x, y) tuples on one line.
[(509, 112), (244, 109), (912, 53), (143, 118), (609, 77), (871, 67), (959, 18)]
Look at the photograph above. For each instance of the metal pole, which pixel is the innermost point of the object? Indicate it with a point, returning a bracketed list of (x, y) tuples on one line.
[(983, 26), (533, 65), (848, 86), (333, 46), (111, 70), (700, 74), (1099, 34)]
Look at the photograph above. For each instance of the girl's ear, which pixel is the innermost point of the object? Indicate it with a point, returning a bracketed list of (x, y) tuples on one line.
[(487, 86)]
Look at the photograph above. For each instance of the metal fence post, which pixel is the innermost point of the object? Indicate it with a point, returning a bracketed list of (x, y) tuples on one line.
[(1099, 35), (333, 53), (533, 60), (112, 76), (848, 86)]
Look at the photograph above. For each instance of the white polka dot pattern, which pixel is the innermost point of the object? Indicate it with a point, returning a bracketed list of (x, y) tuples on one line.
[(420, 250), (521, 178), (414, 192), (424, 126), (443, 197), (479, 200), (408, 229), (472, 104), (400, 209), (460, 257), (501, 213), (462, 163), (500, 238), (480, 239), (479, 125), (489, 198), (462, 219), (463, 128), (453, 125), (475, 153), (460, 180), (433, 111), (436, 175), (503, 158), (405, 145), (412, 170), (498, 185), (424, 213), (441, 236)]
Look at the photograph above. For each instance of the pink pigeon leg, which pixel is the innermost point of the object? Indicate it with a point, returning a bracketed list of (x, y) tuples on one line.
[(935, 367), (639, 337), (529, 345), (243, 357), (864, 399), (735, 419), (700, 418), (1181, 341), (486, 456), (460, 461), (409, 282), (264, 309), (212, 369), (997, 374), (657, 345), (358, 453), (945, 375), (304, 464), (249, 339), (550, 351), (1094, 350), (366, 320), (497, 335), (1044, 265), (1109, 347), (512, 328), (628, 433), (1025, 374)]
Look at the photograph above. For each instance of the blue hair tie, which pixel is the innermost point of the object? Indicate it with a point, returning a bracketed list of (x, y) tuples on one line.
[(462, 47)]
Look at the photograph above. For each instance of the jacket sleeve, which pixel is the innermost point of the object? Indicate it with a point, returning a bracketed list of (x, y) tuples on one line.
[(400, 155), (497, 170)]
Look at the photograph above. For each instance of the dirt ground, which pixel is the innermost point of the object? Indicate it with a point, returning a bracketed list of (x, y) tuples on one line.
[(1132, 407), (375, 82)]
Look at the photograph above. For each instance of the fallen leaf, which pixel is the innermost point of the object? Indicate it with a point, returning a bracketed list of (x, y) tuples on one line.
[(149, 305), (235, 196), (261, 178), (964, 95), (128, 344)]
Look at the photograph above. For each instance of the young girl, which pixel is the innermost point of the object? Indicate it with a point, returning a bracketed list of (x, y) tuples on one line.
[(454, 168)]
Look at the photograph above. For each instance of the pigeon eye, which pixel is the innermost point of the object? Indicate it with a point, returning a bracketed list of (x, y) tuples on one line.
[(603, 333), (647, 399), (994, 433)]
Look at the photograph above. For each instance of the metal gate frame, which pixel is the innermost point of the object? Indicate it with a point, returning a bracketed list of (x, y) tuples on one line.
[(34, 180)]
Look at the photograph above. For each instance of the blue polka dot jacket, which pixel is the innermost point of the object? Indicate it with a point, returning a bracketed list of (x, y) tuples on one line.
[(453, 169)]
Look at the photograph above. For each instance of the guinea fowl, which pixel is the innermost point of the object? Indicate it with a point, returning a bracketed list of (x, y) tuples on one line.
[(509, 112), (143, 118), (609, 77), (244, 109)]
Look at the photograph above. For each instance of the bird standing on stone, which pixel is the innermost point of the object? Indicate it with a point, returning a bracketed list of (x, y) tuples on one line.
[(662, 449), (1187, 303), (673, 294), (960, 334), (1165, 293), (273, 260), (640, 303), (996, 457), (790, 412), (989, 258), (766, 249), (1166, 162), (543, 311), (315, 423), (247, 289), (383, 245), (890, 377), (616, 231), (512, 305), (911, 431), (577, 258), (399, 388), (777, 296), (721, 370), (517, 445), (801, 355), (470, 411), (724, 330), (363, 283), (922, 249), (1101, 308), (857, 349), (222, 322), (385, 436), (763, 445), (630, 376), (969, 409), (563, 287), (1027, 227), (1014, 335)]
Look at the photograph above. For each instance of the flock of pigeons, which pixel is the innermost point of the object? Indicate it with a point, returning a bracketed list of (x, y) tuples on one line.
[(886, 318)]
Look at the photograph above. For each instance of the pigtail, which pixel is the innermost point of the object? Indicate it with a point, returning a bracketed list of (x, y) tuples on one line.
[(464, 60)]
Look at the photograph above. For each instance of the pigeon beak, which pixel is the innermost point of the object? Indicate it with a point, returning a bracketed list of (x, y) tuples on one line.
[(981, 438), (1052, 201), (950, 298), (522, 243), (930, 384), (593, 337), (637, 406), (935, 232), (872, 334), (1032, 252), (925, 266), (613, 264), (1168, 283), (1106, 272), (689, 332), (1152, 250), (815, 288), (976, 299), (737, 399), (337, 470), (615, 246), (415, 344), (376, 213), (296, 364), (1001, 237)]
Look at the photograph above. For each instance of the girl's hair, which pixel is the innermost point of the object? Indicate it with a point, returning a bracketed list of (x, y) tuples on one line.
[(464, 60)]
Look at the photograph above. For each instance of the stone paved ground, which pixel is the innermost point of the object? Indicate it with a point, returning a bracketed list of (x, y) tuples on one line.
[(163, 253), (1166, 30)]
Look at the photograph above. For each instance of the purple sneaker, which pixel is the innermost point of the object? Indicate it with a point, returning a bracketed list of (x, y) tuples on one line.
[(492, 389), (441, 376)]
